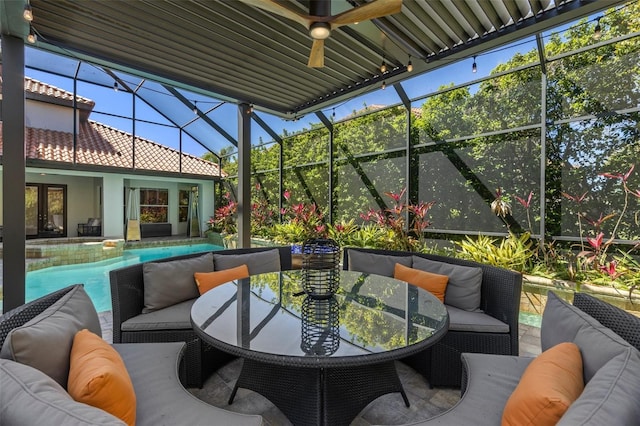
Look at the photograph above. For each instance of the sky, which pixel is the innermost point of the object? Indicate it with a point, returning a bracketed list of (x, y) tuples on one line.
[(112, 104)]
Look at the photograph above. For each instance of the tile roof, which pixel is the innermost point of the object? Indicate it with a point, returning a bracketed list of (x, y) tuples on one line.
[(38, 90), (37, 87), (102, 145)]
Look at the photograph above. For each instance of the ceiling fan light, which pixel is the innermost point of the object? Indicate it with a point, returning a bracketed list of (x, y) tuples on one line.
[(319, 30)]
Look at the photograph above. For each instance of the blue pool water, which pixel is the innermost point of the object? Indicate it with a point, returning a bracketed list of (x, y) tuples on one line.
[(95, 276)]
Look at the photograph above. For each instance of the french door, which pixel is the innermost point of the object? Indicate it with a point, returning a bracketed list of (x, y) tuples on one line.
[(46, 210)]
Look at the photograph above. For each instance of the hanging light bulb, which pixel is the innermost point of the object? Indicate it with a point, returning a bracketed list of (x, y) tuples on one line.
[(384, 85), (32, 37), (115, 86), (409, 65), (333, 114), (195, 107), (27, 13), (250, 109), (474, 67), (597, 31), (383, 66)]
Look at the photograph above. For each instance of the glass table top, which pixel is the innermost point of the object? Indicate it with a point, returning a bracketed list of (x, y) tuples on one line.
[(270, 314)]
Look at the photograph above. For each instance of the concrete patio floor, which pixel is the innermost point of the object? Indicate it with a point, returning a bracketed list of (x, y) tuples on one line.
[(388, 409)]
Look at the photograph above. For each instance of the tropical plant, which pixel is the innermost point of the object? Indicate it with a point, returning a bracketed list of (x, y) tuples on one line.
[(224, 218), (514, 252)]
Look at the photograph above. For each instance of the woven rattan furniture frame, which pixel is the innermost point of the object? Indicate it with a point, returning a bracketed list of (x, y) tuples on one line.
[(619, 321), (500, 294), (317, 390), (127, 300)]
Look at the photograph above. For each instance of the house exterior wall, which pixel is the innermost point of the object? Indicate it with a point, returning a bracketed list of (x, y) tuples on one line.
[(42, 115), (81, 200)]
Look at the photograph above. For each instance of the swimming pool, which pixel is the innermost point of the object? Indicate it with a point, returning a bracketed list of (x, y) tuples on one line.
[(95, 276)]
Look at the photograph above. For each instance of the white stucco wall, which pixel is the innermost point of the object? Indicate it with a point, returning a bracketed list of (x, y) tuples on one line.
[(41, 115), (81, 197)]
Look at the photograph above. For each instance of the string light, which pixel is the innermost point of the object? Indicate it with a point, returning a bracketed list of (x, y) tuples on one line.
[(27, 13), (597, 31), (383, 66), (384, 85), (32, 37), (474, 67), (195, 107), (250, 109), (115, 86), (409, 65), (333, 114)]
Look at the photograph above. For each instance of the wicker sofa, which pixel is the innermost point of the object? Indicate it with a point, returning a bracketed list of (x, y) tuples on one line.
[(492, 329), (172, 324), (30, 396), (610, 368)]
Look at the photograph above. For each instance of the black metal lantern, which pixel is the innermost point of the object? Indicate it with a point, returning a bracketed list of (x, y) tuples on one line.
[(320, 267), (320, 326)]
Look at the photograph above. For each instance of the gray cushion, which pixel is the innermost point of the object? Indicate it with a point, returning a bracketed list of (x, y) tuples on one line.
[(168, 283), (379, 264), (30, 397), (258, 263), (174, 317), (45, 341), (562, 322), (491, 380), (612, 396), (160, 398), (465, 282), (461, 320)]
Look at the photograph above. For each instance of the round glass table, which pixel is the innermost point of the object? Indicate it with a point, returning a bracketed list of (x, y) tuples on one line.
[(320, 361)]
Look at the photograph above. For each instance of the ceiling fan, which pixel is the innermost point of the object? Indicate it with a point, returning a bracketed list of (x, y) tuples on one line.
[(320, 22)]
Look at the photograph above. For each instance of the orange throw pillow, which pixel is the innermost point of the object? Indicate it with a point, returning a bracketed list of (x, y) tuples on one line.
[(547, 387), (98, 377), (208, 280), (434, 283)]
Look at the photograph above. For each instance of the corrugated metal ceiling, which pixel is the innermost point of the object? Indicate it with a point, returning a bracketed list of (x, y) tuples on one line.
[(244, 54)]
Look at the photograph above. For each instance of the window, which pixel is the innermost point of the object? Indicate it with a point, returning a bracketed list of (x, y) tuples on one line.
[(154, 205)]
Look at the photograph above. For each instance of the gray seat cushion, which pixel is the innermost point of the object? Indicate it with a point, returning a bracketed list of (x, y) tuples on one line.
[(465, 282), (53, 330), (160, 398), (258, 263), (174, 317), (461, 320), (562, 322), (168, 283), (491, 380), (379, 264), (30, 397)]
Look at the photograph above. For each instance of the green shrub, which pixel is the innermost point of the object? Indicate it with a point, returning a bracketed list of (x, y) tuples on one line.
[(512, 252)]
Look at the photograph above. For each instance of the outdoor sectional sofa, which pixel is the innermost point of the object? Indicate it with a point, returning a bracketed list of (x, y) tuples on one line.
[(514, 390), (173, 323), (37, 340), (483, 304)]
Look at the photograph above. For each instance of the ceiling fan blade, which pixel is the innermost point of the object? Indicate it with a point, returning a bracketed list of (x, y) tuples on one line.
[(372, 10), (316, 57), (279, 8)]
